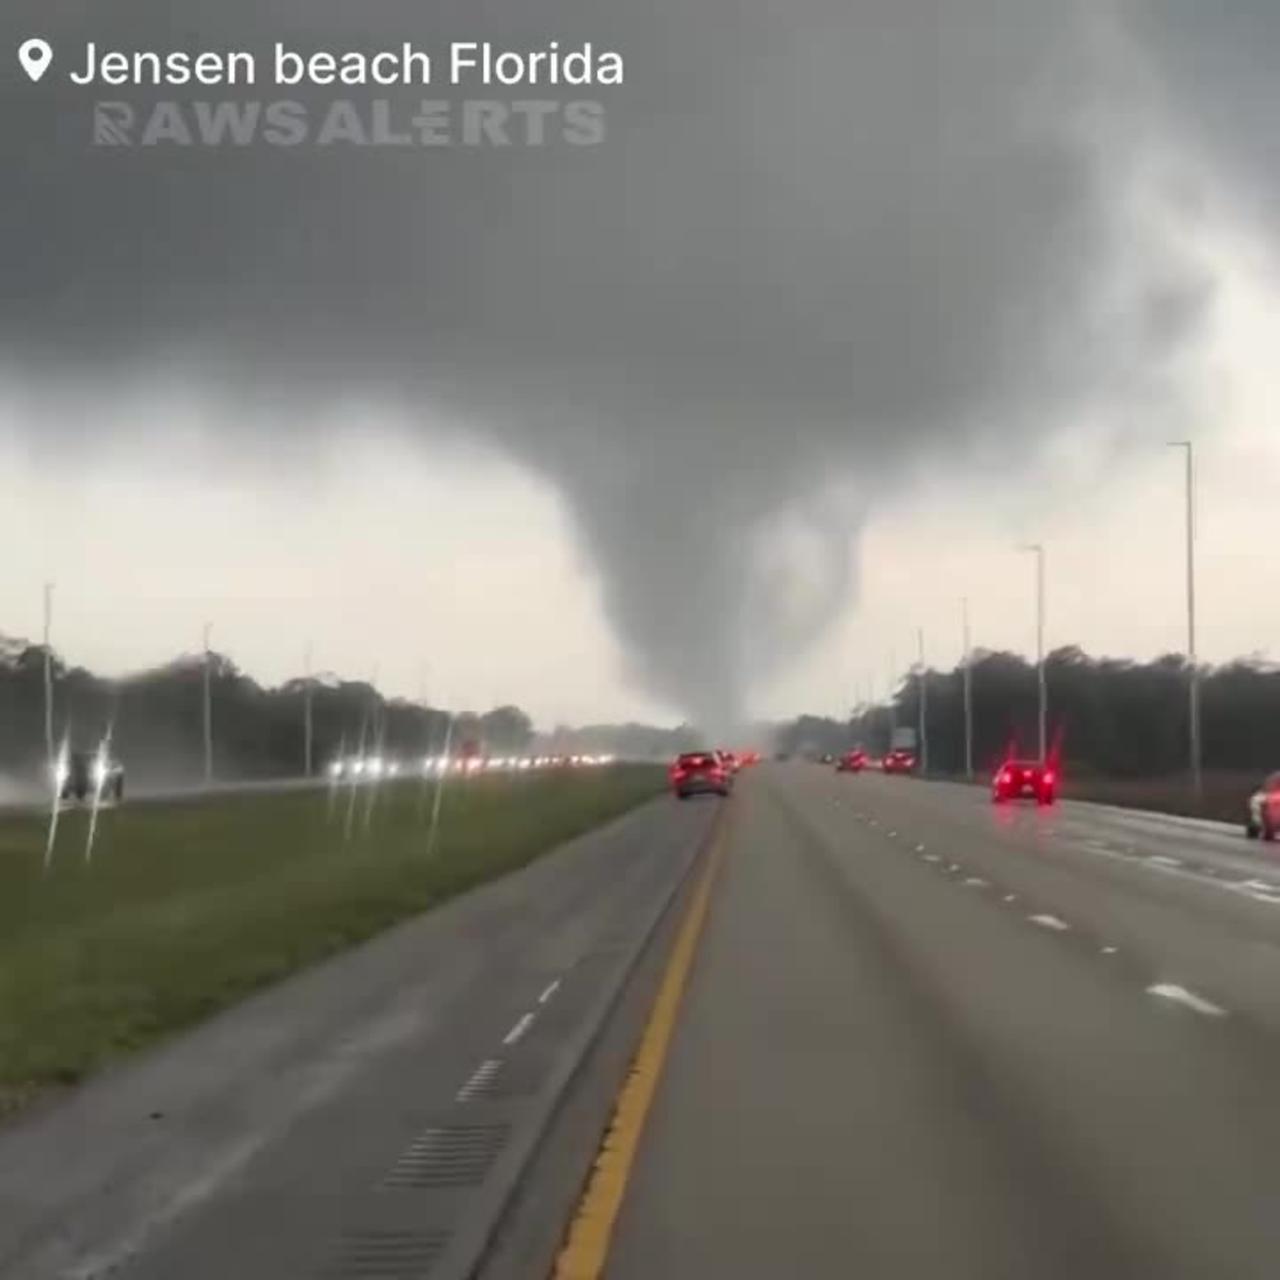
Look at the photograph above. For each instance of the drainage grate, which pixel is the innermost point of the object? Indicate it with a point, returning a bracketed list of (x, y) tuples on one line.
[(483, 1081), (496, 1081), (389, 1255), (450, 1156)]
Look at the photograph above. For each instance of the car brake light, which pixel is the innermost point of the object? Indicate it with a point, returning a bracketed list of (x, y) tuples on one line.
[(1049, 779)]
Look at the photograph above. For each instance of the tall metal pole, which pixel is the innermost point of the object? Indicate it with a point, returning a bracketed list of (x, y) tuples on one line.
[(1044, 692), (893, 691), (306, 715), (968, 692), (1038, 550), (48, 673), (1193, 683), (924, 705), (208, 707)]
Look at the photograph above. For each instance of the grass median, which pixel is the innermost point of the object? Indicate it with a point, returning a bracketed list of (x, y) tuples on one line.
[(185, 908)]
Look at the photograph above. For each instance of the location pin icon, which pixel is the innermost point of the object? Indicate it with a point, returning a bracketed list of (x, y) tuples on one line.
[(35, 56)]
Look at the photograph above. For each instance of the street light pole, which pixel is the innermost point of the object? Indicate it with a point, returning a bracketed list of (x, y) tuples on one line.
[(968, 692), (1193, 690), (48, 673), (924, 705), (208, 707), (893, 690), (1038, 549), (306, 714)]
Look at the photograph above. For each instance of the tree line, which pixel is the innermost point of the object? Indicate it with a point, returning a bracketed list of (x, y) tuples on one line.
[(156, 720), (1110, 716)]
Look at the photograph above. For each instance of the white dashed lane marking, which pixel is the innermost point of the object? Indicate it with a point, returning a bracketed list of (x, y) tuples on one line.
[(519, 1029), (1259, 890), (1050, 922), (549, 992), (1180, 995)]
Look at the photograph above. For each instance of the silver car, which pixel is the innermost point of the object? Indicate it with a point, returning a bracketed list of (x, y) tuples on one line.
[(83, 775), (1263, 821)]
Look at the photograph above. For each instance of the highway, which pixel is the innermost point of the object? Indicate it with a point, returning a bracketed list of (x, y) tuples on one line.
[(369, 1117), (24, 798), (926, 1037), (921, 1036)]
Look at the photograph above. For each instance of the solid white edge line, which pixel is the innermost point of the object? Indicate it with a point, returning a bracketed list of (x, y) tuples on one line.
[(519, 1029), (1180, 995)]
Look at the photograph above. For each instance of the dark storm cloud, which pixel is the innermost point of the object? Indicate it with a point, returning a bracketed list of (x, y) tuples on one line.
[(821, 240), (1216, 67)]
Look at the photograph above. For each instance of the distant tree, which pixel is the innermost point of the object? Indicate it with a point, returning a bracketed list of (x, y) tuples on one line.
[(506, 729)]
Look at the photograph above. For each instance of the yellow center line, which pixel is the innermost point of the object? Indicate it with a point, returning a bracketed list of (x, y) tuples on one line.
[(586, 1248)]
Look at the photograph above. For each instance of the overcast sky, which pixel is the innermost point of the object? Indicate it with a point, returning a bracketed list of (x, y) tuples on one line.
[(706, 420)]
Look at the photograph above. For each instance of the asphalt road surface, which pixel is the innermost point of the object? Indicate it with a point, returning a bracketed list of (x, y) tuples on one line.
[(365, 1119), (922, 1037), (929, 1037)]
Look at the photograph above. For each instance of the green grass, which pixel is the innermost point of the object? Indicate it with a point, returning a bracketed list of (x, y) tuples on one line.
[(1225, 795), (186, 908)]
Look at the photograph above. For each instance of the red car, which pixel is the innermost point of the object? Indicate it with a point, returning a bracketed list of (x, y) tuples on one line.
[(852, 761), (899, 761), (699, 773), (1024, 779)]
